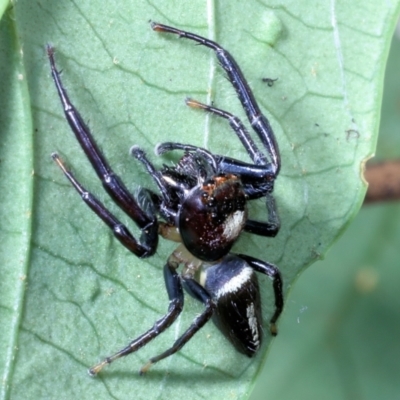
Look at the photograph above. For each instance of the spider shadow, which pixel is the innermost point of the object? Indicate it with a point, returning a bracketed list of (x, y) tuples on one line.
[(207, 375)]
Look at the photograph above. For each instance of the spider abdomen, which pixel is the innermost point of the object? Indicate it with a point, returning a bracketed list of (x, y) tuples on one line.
[(233, 285)]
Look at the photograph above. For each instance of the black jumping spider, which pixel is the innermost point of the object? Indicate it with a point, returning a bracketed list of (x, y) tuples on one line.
[(203, 205)]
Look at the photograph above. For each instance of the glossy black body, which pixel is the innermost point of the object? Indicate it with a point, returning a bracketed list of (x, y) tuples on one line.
[(204, 213), (202, 203), (238, 310)]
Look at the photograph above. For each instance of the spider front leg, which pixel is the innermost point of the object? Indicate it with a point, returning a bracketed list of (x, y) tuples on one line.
[(237, 126), (257, 179), (257, 120), (148, 224)]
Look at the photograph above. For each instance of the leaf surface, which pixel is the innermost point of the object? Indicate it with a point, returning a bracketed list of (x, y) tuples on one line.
[(86, 296), (339, 335)]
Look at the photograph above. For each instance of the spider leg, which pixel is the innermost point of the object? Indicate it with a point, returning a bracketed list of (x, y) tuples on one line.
[(238, 127), (273, 272), (147, 242), (111, 182), (260, 170), (175, 294), (258, 121), (197, 291), (267, 228), (140, 155), (165, 147), (162, 148)]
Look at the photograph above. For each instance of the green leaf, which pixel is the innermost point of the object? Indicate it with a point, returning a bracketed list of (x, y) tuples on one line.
[(16, 179), (3, 6), (87, 296), (340, 329)]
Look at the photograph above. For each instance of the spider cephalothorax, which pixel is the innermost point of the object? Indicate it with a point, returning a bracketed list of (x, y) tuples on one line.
[(202, 203), (219, 207)]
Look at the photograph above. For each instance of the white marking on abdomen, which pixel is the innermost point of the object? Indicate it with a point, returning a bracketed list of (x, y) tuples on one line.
[(251, 317), (236, 282)]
